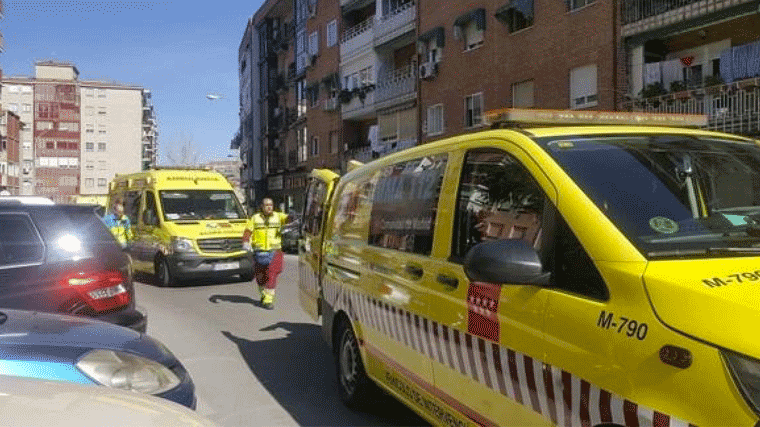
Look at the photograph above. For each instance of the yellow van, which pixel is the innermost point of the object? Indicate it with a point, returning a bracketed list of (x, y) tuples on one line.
[(563, 268), (187, 224)]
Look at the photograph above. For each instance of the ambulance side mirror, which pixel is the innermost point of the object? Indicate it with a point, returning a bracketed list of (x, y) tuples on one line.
[(510, 261)]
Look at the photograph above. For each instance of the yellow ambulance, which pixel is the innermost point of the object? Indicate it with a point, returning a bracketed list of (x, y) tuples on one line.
[(187, 224), (562, 268)]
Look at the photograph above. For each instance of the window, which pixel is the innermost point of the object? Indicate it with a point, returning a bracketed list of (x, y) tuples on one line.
[(470, 27), (435, 119), (88, 92), (101, 93), (102, 182), (583, 87), (517, 14), (332, 33), (499, 199), (473, 110), (89, 146), (313, 212), (61, 145), (50, 145), (89, 111), (404, 205), (21, 243), (102, 111), (73, 146), (102, 130), (89, 165), (334, 141), (13, 107), (44, 125), (90, 129), (89, 182), (314, 43), (150, 208), (101, 146), (315, 146), (577, 4), (522, 94), (26, 108), (102, 165), (302, 145), (473, 36), (431, 45), (26, 89)]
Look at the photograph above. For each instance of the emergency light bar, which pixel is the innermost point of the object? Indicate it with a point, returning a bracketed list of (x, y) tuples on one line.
[(517, 116)]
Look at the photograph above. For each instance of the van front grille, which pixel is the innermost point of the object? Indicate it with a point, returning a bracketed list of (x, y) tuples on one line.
[(221, 245)]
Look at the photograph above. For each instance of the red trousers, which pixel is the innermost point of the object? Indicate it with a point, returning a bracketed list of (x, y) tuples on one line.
[(266, 275)]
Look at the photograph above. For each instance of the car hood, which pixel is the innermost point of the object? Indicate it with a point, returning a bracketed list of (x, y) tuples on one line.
[(47, 336), (715, 300)]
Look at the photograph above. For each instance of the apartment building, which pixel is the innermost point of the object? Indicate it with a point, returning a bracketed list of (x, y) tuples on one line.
[(10, 164), (230, 168), (77, 134), (693, 56)]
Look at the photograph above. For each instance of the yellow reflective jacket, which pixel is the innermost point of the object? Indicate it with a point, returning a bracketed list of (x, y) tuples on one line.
[(265, 231)]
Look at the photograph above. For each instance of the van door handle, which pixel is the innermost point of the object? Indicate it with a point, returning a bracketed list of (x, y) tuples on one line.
[(414, 271), (449, 281)]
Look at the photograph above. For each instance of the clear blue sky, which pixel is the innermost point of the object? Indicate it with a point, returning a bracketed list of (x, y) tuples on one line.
[(180, 50)]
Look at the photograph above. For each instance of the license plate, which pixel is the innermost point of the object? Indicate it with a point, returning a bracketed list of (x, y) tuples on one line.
[(226, 265)]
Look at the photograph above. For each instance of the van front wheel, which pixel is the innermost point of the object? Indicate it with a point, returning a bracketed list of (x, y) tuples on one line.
[(353, 383), (163, 275)]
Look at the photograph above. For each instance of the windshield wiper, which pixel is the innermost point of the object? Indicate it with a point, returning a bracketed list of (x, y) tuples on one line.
[(732, 250)]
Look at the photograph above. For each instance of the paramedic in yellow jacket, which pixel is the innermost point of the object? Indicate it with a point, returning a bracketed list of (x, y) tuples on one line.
[(118, 223), (263, 237)]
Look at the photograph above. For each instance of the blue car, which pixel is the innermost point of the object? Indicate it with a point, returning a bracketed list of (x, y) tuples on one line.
[(85, 351)]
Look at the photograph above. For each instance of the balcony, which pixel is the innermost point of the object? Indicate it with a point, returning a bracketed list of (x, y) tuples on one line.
[(359, 106), (330, 104), (357, 39), (398, 22), (732, 107), (396, 87), (639, 16), (364, 154)]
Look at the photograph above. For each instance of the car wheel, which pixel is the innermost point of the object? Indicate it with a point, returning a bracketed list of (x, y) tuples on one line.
[(353, 383), (163, 274)]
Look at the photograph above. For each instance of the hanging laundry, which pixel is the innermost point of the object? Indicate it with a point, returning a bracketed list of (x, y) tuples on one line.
[(652, 73), (726, 63), (740, 62), (672, 71), (753, 62)]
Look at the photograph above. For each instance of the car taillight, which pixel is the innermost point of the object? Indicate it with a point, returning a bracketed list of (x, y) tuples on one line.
[(104, 290)]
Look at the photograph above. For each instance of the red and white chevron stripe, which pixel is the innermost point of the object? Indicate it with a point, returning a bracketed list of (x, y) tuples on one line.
[(565, 399)]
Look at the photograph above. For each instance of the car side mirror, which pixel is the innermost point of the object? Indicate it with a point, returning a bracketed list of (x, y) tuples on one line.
[(510, 261)]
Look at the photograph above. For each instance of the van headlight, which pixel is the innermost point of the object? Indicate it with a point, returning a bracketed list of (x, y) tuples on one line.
[(746, 373), (127, 371), (182, 244)]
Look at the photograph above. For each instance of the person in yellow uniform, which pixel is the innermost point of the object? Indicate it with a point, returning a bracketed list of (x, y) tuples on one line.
[(119, 224), (263, 237)]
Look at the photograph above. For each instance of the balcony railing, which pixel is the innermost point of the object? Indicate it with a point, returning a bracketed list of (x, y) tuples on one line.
[(397, 85), (398, 22), (357, 37), (644, 15), (365, 154), (732, 107)]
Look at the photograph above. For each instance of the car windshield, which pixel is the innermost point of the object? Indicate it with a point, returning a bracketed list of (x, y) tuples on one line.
[(671, 195), (200, 204)]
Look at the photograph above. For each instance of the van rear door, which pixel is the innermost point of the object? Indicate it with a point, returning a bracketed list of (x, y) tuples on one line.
[(316, 210)]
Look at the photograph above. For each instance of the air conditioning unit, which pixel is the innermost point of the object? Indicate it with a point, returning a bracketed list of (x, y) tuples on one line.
[(428, 70)]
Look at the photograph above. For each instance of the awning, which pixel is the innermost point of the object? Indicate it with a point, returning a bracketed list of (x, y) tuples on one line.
[(437, 33), (477, 15)]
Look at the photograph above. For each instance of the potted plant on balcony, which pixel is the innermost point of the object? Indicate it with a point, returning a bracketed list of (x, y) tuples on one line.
[(714, 84), (678, 89), (650, 93)]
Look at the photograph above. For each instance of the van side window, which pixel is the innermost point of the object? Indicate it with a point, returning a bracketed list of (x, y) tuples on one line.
[(313, 210), (150, 207), (573, 269), (404, 205), (498, 199), (132, 205)]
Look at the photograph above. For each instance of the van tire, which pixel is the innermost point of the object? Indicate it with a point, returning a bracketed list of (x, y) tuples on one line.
[(163, 274), (353, 383)]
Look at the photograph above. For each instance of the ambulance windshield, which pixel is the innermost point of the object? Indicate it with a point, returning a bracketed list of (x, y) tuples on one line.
[(672, 195), (181, 205)]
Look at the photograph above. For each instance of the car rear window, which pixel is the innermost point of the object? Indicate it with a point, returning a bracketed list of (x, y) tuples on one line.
[(20, 243), (57, 226)]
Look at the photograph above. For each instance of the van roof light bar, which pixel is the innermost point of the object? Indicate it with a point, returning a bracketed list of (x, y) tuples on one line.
[(521, 117)]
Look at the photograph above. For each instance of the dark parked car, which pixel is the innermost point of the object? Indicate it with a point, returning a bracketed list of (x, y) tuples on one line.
[(86, 351), (291, 232), (62, 258)]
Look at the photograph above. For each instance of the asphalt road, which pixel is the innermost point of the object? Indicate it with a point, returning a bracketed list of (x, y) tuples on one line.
[(256, 367)]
